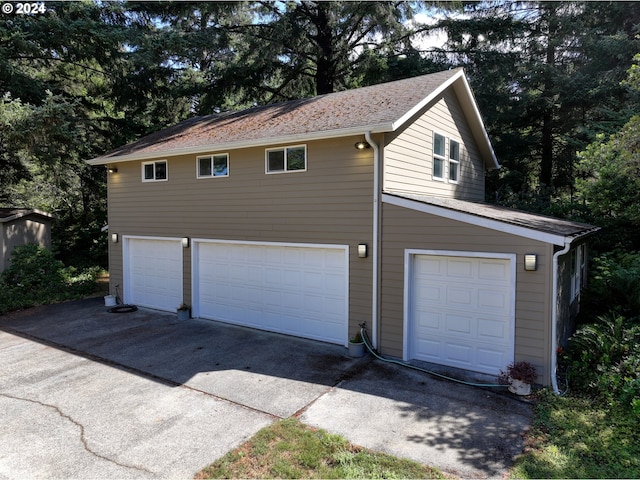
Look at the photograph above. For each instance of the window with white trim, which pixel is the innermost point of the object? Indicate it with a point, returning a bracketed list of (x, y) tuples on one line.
[(211, 166), (454, 161), (155, 171), (439, 143), (286, 159)]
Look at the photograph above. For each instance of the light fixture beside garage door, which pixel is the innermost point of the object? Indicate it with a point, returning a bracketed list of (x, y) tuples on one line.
[(530, 262), (185, 242)]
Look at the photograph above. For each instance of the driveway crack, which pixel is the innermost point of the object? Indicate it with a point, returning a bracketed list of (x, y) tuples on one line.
[(83, 438)]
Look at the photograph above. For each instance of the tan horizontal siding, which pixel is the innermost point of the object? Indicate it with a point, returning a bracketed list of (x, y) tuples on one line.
[(330, 203), (408, 229), (408, 156)]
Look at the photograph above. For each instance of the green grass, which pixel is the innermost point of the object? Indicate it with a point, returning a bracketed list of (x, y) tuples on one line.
[(574, 437), (290, 449)]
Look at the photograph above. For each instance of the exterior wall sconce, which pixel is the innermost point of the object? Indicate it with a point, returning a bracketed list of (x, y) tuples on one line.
[(185, 242), (114, 237), (362, 145), (112, 170), (362, 250), (531, 262)]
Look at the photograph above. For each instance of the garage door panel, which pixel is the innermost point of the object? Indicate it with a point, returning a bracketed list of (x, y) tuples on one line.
[(459, 325), (492, 271), (458, 353), (492, 330), (459, 268), (429, 350), (488, 358), (463, 297), (296, 290), (495, 300), (461, 311), (427, 321)]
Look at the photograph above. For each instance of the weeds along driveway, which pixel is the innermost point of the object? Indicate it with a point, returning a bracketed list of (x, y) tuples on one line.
[(91, 393)]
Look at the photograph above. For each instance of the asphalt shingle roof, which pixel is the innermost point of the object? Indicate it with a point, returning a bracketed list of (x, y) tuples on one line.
[(519, 218), (375, 106)]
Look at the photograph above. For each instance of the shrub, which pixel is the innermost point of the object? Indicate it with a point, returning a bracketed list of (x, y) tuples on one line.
[(605, 360), (35, 277), (604, 353), (614, 283)]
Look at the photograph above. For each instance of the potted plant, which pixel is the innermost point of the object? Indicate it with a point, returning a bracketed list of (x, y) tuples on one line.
[(519, 376), (183, 312), (356, 346)]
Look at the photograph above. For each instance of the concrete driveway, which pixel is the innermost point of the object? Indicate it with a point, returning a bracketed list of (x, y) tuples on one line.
[(85, 393)]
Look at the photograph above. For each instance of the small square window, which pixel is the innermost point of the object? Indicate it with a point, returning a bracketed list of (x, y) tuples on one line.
[(288, 159), (204, 167), (210, 166), (154, 171), (275, 161), (220, 165)]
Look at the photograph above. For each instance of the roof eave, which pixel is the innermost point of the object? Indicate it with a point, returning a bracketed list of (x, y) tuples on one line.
[(260, 142), (492, 224)]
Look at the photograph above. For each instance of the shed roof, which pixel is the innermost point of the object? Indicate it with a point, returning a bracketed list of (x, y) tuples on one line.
[(517, 222), (379, 108), (10, 214)]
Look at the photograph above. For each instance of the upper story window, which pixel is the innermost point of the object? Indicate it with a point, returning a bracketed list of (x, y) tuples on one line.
[(439, 143), (154, 171), (454, 161), (210, 166), (286, 159)]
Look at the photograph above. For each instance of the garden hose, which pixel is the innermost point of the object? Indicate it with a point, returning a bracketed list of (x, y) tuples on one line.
[(367, 343), (122, 308)]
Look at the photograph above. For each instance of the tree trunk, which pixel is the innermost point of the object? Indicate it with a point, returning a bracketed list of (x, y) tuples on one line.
[(325, 66), (549, 93)]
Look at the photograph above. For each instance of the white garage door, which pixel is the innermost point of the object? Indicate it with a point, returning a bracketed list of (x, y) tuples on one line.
[(153, 273), (297, 290), (462, 311)]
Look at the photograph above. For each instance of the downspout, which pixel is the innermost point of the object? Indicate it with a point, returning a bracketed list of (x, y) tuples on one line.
[(376, 232), (554, 317)]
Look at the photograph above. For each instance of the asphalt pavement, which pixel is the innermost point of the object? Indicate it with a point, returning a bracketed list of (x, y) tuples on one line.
[(85, 393)]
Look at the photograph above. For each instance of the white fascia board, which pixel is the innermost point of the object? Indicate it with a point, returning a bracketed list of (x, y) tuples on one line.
[(476, 220), (303, 137), (407, 116), (478, 117)]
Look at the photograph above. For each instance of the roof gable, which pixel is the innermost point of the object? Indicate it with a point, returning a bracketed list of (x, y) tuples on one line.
[(10, 214), (379, 108)]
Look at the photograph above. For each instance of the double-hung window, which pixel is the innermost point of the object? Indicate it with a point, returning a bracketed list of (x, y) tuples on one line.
[(439, 143), (454, 161), (286, 159), (154, 171), (211, 166)]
